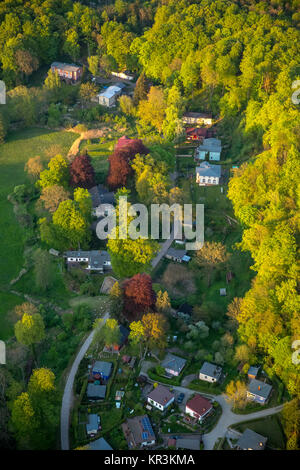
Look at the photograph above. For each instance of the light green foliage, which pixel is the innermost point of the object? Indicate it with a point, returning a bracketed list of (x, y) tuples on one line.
[(57, 173)]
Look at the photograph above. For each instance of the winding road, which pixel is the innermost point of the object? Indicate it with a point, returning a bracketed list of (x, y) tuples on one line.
[(67, 400)]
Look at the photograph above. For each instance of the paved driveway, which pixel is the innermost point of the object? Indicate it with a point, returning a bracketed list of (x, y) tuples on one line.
[(227, 418), (67, 400)]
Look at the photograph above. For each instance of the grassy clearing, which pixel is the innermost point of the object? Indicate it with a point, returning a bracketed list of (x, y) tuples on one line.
[(20, 146), (99, 153), (97, 303), (269, 427)]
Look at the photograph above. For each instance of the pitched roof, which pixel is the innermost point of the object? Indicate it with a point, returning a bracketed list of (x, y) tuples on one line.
[(98, 391), (176, 253), (253, 370), (259, 388), (211, 370), (199, 404), (190, 444), (140, 428), (210, 145), (110, 92), (191, 114), (161, 395), (107, 284), (102, 367), (251, 440), (96, 258), (173, 362), (92, 423), (67, 67), (206, 169), (100, 444), (101, 195)]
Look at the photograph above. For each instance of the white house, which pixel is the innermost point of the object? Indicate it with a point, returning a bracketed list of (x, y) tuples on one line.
[(198, 407), (259, 391), (173, 364), (160, 397), (207, 174), (95, 260), (211, 147), (109, 96), (197, 118), (210, 372)]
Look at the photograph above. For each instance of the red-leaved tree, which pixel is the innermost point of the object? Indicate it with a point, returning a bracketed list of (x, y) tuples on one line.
[(82, 173), (139, 296), (119, 163)]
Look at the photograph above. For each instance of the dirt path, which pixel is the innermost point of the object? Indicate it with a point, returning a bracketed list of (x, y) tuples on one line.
[(91, 134)]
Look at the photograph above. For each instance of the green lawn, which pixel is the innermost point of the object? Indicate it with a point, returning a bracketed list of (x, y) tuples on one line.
[(269, 427), (99, 153), (7, 304), (20, 146)]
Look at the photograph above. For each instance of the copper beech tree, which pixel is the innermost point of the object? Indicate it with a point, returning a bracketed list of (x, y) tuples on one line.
[(139, 295), (119, 162)]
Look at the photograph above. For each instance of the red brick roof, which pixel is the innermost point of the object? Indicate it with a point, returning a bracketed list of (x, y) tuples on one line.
[(199, 405)]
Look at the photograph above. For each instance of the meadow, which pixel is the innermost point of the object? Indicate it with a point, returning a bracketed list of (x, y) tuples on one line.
[(19, 147)]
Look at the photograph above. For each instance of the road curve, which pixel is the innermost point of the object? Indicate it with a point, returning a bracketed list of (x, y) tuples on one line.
[(227, 419), (68, 392)]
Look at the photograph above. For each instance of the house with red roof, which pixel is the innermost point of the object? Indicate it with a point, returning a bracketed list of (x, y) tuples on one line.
[(198, 407)]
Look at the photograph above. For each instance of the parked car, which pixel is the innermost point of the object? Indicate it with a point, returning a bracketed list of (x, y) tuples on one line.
[(180, 398)]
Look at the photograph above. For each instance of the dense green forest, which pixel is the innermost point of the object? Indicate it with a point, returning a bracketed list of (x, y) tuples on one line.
[(235, 59)]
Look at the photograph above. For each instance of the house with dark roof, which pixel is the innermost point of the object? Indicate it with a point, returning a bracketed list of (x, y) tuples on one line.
[(207, 174), (251, 440), (93, 425), (96, 392), (138, 432), (102, 370), (198, 407), (179, 256), (94, 260), (99, 444), (259, 391), (102, 200), (160, 397), (173, 365), (197, 118), (70, 72), (191, 443), (210, 372)]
